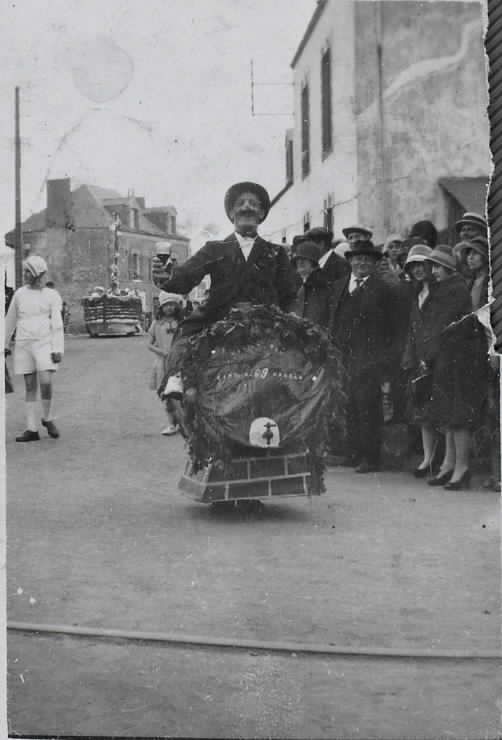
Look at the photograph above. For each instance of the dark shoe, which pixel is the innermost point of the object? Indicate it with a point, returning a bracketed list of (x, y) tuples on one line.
[(421, 472), (440, 480), (28, 436), (366, 467), (491, 484), (51, 428), (463, 482)]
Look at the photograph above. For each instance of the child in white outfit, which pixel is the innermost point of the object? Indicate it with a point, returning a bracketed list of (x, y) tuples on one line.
[(35, 315), (161, 334)]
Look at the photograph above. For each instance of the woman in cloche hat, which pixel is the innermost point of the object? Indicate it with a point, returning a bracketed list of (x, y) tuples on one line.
[(454, 361), (418, 269), (475, 254), (312, 300)]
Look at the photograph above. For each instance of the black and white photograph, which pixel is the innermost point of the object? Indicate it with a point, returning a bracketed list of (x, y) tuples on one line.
[(251, 381)]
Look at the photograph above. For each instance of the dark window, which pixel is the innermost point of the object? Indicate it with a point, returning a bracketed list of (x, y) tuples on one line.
[(133, 266), (326, 113), (289, 160), (305, 113)]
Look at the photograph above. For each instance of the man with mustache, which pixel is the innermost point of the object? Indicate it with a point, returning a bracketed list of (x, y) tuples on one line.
[(243, 268)]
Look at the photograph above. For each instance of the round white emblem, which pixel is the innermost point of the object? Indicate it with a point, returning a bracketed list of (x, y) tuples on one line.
[(264, 432)]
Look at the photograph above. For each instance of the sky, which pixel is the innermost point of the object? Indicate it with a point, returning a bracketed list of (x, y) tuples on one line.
[(150, 96)]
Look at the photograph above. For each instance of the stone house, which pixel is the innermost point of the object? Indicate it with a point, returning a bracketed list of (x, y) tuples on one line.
[(75, 234)]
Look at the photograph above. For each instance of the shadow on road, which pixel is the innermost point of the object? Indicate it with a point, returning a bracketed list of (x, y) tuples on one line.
[(228, 512)]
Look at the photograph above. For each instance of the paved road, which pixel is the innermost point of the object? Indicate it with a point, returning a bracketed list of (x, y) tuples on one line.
[(98, 536)]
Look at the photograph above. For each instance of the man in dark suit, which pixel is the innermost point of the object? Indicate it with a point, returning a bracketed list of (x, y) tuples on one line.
[(362, 322), (333, 267), (243, 268)]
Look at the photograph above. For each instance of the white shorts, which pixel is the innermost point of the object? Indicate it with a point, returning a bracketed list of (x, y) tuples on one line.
[(32, 357)]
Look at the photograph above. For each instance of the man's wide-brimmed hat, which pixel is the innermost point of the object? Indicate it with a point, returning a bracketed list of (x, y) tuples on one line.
[(247, 187), (472, 219), (307, 250), (363, 247), (417, 254), (365, 232), (443, 255), (36, 265), (478, 243), (320, 234), (298, 239)]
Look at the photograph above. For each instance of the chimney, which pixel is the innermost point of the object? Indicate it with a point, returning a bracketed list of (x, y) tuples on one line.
[(59, 204)]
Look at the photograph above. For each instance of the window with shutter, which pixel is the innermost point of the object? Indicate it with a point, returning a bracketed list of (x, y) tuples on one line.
[(305, 114)]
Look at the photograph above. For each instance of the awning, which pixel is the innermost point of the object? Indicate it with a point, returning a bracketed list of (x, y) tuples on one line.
[(470, 192)]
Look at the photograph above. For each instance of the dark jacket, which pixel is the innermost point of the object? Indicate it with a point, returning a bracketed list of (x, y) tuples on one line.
[(364, 326), (335, 268), (447, 302), (267, 277), (484, 289), (312, 299), (454, 354)]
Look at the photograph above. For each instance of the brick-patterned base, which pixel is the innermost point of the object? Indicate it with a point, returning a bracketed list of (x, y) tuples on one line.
[(249, 478)]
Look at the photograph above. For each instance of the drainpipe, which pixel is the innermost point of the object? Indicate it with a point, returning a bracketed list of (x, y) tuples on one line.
[(382, 169)]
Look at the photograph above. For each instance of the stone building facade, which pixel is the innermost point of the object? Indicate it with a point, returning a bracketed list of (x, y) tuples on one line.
[(390, 118)]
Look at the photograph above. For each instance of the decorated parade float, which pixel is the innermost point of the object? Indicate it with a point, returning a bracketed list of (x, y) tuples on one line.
[(262, 386), (113, 312)]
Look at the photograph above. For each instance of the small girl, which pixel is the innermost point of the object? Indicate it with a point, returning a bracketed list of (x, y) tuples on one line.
[(161, 333)]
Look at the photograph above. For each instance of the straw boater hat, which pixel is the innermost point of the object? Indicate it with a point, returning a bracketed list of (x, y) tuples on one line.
[(247, 187), (366, 233), (473, 219), (307, 250), (478, 243), (443, 255), (363, 247), (418, 254), (36, 265)]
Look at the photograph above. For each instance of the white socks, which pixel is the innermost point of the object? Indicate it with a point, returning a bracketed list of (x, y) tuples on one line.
[(32, 416), (46, 409)]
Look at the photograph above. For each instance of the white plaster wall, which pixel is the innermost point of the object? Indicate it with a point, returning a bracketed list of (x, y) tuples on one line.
[(435, 101), (434, 98), (337, 174)]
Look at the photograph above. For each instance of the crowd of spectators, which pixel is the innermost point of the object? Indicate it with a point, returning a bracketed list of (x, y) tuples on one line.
[(408, 318)]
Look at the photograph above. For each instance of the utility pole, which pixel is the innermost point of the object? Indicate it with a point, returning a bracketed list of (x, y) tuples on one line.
[(18, 243)]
